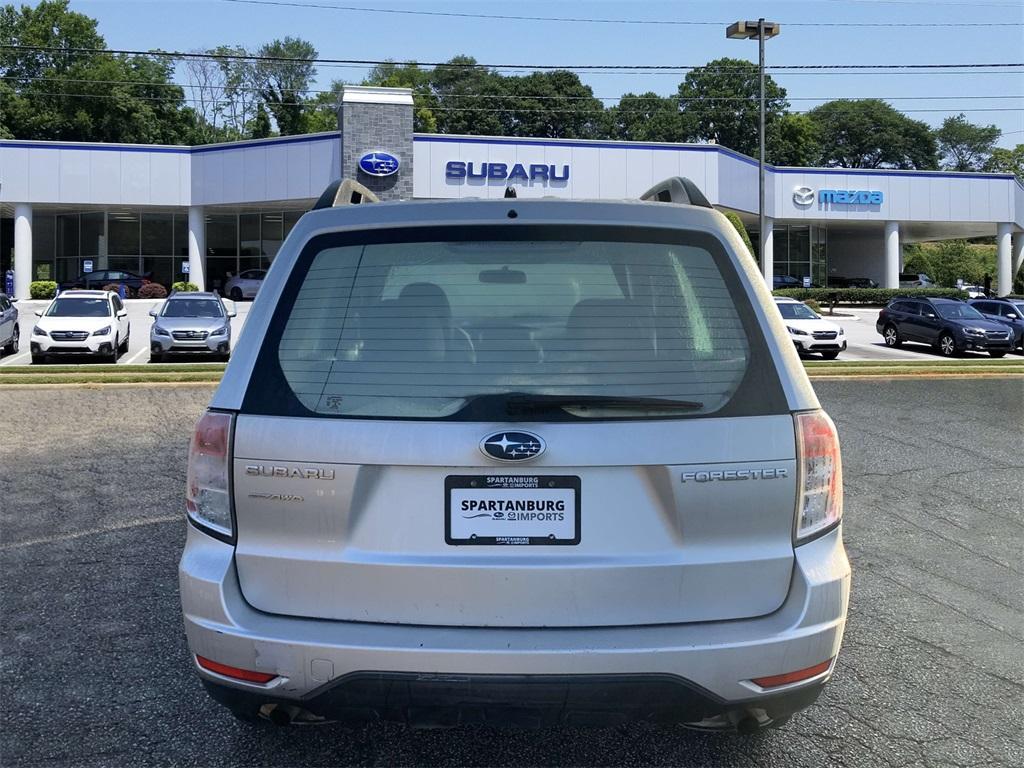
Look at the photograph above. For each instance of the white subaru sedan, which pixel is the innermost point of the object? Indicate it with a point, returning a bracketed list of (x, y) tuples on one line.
[(808, 331)]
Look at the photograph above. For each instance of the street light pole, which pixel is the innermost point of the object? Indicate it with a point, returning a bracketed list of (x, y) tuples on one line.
[(745, 30), (760, 154)]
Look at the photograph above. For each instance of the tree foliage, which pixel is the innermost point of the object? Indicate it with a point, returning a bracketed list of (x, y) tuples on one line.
[(67, 96), (647, 117), (1007, 161), (239, 93), (720, 103), (869, 133), (965, 146)]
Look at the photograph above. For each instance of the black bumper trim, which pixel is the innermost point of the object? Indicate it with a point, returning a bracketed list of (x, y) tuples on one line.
[(525, 701)]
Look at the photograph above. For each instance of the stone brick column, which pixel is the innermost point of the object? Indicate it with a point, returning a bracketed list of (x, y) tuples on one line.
[(377, 119)]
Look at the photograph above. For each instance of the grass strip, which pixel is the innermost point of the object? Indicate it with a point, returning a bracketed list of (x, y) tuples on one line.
[(127, 378), (153, 368)]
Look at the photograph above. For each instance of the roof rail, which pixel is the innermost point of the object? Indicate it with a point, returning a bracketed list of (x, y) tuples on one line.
[(677, 189), (344, 192)]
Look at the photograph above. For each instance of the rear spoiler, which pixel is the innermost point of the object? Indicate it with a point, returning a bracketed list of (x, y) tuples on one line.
[(677, 189), (344, 192)]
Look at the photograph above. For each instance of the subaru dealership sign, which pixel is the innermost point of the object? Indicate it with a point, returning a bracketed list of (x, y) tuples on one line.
[(459, 170), (379, 163)]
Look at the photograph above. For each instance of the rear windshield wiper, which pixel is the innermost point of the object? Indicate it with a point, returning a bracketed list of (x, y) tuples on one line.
[(522, 402)]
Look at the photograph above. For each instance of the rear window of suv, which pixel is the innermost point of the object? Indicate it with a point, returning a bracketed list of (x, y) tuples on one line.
[(440, 324)]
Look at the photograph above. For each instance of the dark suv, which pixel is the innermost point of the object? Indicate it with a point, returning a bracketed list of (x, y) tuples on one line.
[(950, 326), (1008, 312)]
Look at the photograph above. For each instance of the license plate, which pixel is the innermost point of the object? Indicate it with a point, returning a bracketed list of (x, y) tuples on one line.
[(512, 509)]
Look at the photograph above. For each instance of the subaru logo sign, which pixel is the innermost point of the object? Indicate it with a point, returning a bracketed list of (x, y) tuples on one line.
[(379, 163), (803, 195), (512, 446)]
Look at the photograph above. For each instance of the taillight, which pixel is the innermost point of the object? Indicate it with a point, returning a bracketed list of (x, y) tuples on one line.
[(208, 497), (237, 673), (820, 475)]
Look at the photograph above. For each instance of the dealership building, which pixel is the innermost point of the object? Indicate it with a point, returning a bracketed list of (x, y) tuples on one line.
[(209, 212)]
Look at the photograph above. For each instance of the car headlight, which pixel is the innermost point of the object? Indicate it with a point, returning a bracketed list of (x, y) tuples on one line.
[(796, 331), (973, 332), (104, 331), (842, 332), (220, 331), (37, 331), (160, 331)]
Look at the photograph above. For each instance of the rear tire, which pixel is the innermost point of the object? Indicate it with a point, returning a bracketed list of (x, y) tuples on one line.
[(891, 336), (830, 355), (11, 348), (947, 346), (111, 357), (236, 294)]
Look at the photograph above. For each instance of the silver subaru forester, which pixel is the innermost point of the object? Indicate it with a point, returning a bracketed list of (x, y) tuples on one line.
[(530, 462)]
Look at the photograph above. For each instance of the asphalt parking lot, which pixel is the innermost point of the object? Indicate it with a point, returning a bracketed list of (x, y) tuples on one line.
[(94, 668)]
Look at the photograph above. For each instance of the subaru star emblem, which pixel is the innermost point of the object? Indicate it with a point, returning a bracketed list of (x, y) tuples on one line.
[(803, 195), (379, 163), (512, 446)]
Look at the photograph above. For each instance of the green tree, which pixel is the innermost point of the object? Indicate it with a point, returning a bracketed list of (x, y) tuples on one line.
[(83, 95), (647, 117), (1007, 161), (283, 76), (869, 133), (950, 260), (554, 105), (470, 98), (719, 103), (394, 75), (322, 110), (965, 146), (793, 140)]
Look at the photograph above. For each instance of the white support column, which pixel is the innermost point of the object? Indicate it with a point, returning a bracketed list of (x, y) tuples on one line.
[(892, 254), (768, 252), (1004, 275), (1017, 256), (197, 246), (22, 249)]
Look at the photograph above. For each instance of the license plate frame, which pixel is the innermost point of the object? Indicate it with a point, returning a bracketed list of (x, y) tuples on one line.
[(493, 485)]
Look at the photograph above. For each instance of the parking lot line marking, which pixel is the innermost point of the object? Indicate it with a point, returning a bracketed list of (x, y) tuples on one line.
[(13, 358), (136, 356), (92, 532)]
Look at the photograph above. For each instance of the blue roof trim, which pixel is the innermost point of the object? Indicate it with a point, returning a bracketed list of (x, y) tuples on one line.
[(201, 149), (708, 148), (95, 147)]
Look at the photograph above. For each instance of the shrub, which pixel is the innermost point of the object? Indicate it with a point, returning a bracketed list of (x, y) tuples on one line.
[(42, 289), (152, 291), (813, 305), (737, 222), (112, 287), (184, 287), (877, 296)]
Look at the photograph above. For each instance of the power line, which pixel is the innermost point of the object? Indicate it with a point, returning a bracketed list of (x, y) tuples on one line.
[(540, 97), (180, 55), (585, 20), (438, 108)]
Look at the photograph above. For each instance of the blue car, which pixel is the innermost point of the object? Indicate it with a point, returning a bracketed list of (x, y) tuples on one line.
[(1006, 311), (950, 326)]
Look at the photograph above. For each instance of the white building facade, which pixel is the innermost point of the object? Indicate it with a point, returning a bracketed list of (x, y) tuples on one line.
[(207, 212)]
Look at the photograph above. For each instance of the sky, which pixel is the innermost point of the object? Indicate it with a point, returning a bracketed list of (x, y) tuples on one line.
[(812, 32)]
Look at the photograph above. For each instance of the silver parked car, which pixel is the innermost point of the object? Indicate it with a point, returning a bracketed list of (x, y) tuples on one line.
[(10, 329), (515, 461), (191, 323)]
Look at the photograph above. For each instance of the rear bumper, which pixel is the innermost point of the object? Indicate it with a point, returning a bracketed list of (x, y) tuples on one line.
[(709, 666)]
